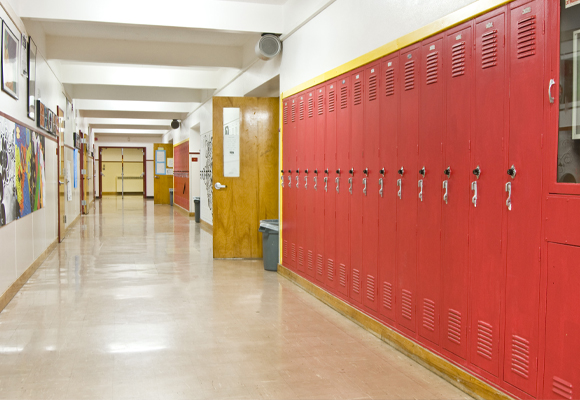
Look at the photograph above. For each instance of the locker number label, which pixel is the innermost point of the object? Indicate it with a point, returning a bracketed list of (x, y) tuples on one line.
[(432, 47), (390, 63), (489, 25), (527, 10), (458, 37), (409, 55)]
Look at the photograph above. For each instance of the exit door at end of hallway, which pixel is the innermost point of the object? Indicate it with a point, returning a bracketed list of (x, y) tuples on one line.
[(122, 171)]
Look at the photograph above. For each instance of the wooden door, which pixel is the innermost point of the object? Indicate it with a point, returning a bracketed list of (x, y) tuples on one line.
[(61, 178), (253, 196), (84, 176), (163, 176)]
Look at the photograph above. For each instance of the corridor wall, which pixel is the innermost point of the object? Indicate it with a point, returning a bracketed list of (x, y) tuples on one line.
[(396, 200)]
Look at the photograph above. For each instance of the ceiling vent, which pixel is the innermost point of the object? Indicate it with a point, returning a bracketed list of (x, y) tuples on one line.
[(268, 47)]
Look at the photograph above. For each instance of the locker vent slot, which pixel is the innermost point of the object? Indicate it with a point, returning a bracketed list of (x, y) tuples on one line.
[(330, 269), (343, 97), (300, 256), (285, 249), (356, 280), (458, 59), (342, 275), (520, 356), (484, 340), (293, 252), (410, 75), (293, 112), (310, 107), (407, 304), (429, 315), (357, 93), (320, 104), (562, 388), (285, 115), (432, 67), (390, 82), (371, 287), (319, 263), (454, 327), (489, 49), (310, 260), (373, 88), (526, 45), (301, 110), (387, 295), (331, 101)]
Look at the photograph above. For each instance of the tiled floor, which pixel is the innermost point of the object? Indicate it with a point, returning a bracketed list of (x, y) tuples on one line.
[(132, 306)]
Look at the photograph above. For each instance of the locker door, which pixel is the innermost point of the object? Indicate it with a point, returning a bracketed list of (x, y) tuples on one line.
[(370, 198), (486, 214), (355, 184), (289, 199), (431, 129), (308, 183), (340, 185), (330, 167), (301, 155), (455, 213), (387, 214), (562, 375), (318, 180), (524, 219), (407, 203)]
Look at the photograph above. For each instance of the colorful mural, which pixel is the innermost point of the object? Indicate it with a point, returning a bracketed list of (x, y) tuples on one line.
[(22, 171)]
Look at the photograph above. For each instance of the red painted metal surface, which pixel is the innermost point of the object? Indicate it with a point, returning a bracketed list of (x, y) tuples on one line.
[(289, 197), (330, 166), (318, 181), (181, 175), (301, 201), (307, 184)]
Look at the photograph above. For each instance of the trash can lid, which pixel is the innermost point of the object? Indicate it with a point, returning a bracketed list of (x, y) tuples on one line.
[(196, 199), (271, 224), (170, 190)]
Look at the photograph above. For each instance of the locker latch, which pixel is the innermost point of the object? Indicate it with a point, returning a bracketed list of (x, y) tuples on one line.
[(326, 184), (382, 172), (474, 188), (400, 188), (365, 186), (289, 181), (445, 194), (508, 189), (306, 182), (512, 171), (297, 181), (315, 182), (350, 185), (337, 180), (420, 184)]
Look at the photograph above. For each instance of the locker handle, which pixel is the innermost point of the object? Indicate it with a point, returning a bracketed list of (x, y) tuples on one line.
[(297, 181), (420, 184), (315, 183), (350, 185), (282, 180), (474, 188), (381, 187), (399, 193), (445, 194), (337, 184), (326, 184), (289, 181), (305, 182), (365, 186), (552, 83), (508, 189)]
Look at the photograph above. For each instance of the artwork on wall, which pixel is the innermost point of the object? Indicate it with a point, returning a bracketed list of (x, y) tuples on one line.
[(10, 73), (206, 173), (46, 118), (22, 171), (31, 79), (24, 55)]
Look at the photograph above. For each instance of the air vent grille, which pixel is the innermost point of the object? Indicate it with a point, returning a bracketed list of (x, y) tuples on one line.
[(454, 327), (319, 264), (432, 67), (331, 101), (330, 269), (520, 356), (429, 315), (372, 88), (310, 107), (343, 97), (285, 114), (407, 304), (356, 280), (320, 104), (458, 59), (310, 260), (285, 249), (301, 110), (293, 252), (342, 275), (526, 45), (357, 93), (300, 256), (293, 112), (410, 75), (485, 340), (562, 388), (390, 82), (371, 288), (489, 49), (387, 295)]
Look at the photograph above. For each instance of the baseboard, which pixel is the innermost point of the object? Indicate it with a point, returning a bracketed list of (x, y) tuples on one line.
[(206, 227), (450, 372), (17, 285), (183, 210)]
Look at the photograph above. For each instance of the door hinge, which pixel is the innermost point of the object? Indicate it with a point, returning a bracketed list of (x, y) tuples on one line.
[(64, 219), (540, 253)]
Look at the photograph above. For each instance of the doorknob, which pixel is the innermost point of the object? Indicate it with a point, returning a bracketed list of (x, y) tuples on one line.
[(219, 186), (60, 182)]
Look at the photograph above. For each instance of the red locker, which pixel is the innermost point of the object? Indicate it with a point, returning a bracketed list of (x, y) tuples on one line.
[(301, 158), (562, 375), (486, 250), (387, 212), (289, 194), (407, 140), (524, 188), (355, 183), (308, 183), (318, 180), (328, 183), (370, 190), (430, 166), (456, 183), (340, 185)]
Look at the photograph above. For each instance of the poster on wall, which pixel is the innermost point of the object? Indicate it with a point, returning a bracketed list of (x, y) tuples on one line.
[(30, 176), (576, 86), (24, 55), (231, 142), (68, 181), (10, 73), (8, 202), (75, 166), (31, 79)]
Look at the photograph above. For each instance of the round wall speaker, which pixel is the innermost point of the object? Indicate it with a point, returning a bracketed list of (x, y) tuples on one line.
[(268, 47), (175, 124)]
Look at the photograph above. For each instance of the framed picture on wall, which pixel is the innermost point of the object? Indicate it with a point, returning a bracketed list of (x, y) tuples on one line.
[(24, 55), (10, 73), (31, 79)]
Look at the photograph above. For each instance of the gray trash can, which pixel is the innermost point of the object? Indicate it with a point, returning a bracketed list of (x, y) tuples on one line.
[(197, 202), (171, 197), (269, 229)]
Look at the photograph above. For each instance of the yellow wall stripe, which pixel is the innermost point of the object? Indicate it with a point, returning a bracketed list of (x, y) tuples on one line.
[(455, 18), (183, 141)]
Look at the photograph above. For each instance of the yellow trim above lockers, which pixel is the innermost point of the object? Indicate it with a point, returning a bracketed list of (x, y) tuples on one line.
[(183, 141), (455, 18)]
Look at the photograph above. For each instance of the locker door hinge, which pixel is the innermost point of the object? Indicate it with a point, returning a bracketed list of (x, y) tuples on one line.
[(542, 141), (540, 253), (544, 28), (64, 219), (469, 144)]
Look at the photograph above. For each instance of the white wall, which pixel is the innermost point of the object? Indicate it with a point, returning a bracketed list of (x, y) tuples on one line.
[(348, 29)]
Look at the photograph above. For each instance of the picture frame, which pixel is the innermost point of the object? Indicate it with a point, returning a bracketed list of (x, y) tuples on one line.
[(24, 55), (40, 108), (32, 50), (10, 60)]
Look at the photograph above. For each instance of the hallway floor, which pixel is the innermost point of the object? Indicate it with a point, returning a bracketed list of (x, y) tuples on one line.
[(133, 306)]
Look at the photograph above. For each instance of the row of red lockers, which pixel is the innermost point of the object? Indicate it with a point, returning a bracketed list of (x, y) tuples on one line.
[(412, 189)]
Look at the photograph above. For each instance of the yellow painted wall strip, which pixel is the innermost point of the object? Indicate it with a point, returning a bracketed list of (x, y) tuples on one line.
[(455, 18)]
